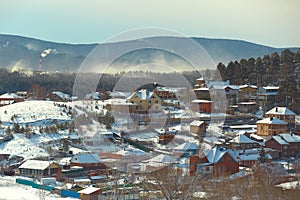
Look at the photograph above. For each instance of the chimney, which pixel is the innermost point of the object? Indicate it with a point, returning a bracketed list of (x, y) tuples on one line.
[(276, 109)]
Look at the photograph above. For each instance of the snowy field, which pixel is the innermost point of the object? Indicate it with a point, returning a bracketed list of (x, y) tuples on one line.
[(10, 190)]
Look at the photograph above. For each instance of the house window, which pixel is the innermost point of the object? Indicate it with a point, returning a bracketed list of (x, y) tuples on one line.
[(149, 101), (222, 159), (284, 147), (156, 101)]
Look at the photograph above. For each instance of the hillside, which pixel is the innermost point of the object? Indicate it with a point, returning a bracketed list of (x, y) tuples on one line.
[(21, 52)]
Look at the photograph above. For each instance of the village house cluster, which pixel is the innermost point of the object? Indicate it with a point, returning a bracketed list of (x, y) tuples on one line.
[(255, 138)]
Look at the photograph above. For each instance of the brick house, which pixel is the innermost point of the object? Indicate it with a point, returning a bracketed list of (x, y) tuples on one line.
[(217, 162), (271, 126), (286, 144), (203, 106)]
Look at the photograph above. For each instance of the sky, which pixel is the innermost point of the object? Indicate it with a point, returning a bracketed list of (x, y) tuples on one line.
[(271, 23)]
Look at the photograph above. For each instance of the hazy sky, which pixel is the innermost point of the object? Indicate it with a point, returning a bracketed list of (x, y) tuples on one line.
[(275, 23)]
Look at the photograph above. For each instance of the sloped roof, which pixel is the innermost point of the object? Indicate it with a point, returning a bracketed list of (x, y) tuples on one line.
[(242, 139), (62, 95), (271, 120), (196, 123), (142, 94), (10, 96), (35, 164), (280, 141), (89, 190), (86, 158), (233, 87), (245, 86), (216, 153), (280, 111), (290, 138), (162, 158), (187, 146)]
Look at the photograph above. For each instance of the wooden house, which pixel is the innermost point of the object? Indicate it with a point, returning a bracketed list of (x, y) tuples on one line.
[(90, 193), (38, 168), (198, 127), (271, 126)]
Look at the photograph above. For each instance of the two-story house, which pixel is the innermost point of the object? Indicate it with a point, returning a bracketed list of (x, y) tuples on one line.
[(282, 113), (145, 100), (271, 126), (217, 162)]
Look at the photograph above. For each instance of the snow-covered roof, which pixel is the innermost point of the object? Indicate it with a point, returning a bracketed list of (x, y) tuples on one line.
[(290, 138), (201, 101), (196, 123), (216, 153), (233, 87), (89, 190), (245, 86), (244, 157), (10, 96), (131, 152), (280, 111), (162, 158), (202, 89), (114, 94), (280, 141), (271, 87), (86, 158), (187, 146), (271, 120), (289, 185), (62, 95), (35, 164), (142, 94), (94, 95), (242, 139)]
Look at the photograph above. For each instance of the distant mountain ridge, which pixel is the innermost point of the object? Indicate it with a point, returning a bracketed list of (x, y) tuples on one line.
[(23, 52)]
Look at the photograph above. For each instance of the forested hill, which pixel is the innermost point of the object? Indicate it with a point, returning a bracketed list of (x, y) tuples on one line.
[(22, 52), (275, 69)]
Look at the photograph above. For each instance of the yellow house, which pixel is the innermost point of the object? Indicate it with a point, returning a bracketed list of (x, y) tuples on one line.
[(271, 126), (145, 101), (282, 113)]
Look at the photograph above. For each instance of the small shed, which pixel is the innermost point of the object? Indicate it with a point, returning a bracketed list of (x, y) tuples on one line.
[(198, 127), (90, 193)]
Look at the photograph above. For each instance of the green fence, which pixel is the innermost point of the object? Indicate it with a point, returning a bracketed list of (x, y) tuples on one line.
[(34, 185)]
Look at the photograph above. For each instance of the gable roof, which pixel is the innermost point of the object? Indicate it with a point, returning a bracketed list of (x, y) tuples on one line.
[(187, 146), (62, 95), (196, 123), (10, 96), (279, 140), (143, 94), (35, 164), (271, 120), (216, 153), (242, 139), (247, 86), (280, 111), (86, 158), (89, 190), (162, 158), (290, 138)]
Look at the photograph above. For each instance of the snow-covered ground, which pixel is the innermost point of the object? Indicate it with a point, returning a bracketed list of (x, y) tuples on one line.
[(37, 113), (10, 190)]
